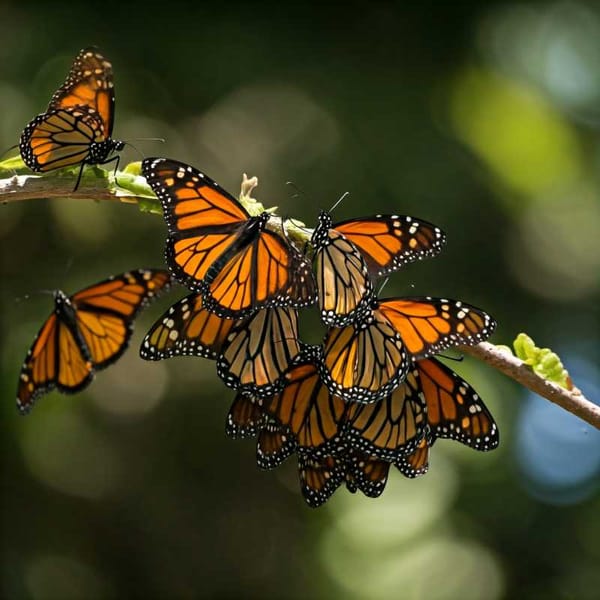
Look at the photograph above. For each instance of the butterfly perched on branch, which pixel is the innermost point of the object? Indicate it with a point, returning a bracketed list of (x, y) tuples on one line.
[(76, 128)]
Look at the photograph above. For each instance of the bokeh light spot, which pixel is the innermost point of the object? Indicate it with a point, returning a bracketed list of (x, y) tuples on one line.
[(56, 576), (65, 453)]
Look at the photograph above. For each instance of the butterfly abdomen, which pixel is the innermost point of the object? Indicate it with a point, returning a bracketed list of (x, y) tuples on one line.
[(65, 313), (249, 232)]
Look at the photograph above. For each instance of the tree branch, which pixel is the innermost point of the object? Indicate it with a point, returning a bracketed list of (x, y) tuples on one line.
[(571, 400), (128, 186)]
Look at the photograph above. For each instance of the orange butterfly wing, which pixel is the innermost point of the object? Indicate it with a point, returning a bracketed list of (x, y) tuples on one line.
[(89, 83), (273, 445), (186, 329), (343, 284), (57, 359), (60, 138), (417, 463), (430, 325), (245, 417), (319, 477), (388, 242), (307, 409), (391, 427), (367, 473), (259, 350), (105, 311), (454, 409), (364, 362)]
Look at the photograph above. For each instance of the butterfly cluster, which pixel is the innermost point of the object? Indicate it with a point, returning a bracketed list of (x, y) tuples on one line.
[(371, 396)]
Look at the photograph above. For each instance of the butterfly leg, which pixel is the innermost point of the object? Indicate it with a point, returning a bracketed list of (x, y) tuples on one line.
[(79, 176), (116, 159)]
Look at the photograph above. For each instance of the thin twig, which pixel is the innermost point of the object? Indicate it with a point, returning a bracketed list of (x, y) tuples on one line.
[(33, 187), (572, 400)]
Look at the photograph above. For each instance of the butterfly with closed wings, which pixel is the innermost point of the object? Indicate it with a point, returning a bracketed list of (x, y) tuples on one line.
[(76, 127)]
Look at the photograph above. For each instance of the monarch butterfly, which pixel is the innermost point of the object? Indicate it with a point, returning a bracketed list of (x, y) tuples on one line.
[(351, 253), (252, 354), (367, 360), (216, 248), (77, 126), (247, 418), (392, 427), (86, 332)]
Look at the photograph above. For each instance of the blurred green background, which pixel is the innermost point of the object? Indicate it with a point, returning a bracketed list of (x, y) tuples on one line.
[(482, 117)]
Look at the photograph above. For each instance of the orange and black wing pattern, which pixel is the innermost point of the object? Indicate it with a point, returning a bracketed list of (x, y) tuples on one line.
[(319, 477), (77, 126), (307, 409), (343, 284), (186, 329), (89, 83), (105, 311), (391, 427), (368, 474), (245, 418), (86, 332), (388, 242), (273, 445), (417, 463), (454, 409), (216, 248), (259, 350), (57, 359), (366, 361), (61, 138), (429, 325)]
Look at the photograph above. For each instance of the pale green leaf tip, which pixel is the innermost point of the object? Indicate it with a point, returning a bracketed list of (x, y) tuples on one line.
[(542, 360)]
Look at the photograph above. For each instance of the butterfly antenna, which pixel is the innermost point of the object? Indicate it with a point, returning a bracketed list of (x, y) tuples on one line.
[(385, 282), (452, 358), (299, 190), (8, 150), (342, 197), (136, 149), (151, 139)]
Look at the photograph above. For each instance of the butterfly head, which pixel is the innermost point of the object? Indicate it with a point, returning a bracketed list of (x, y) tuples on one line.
[(62, 303)]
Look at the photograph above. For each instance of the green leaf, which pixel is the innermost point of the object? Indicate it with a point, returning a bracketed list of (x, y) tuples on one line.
[(542, 360)]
